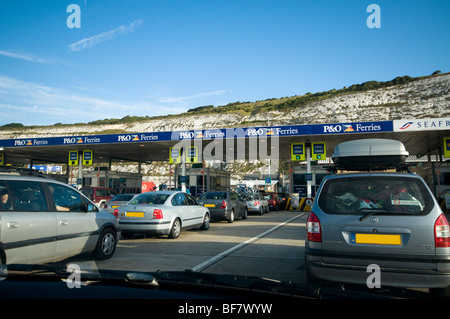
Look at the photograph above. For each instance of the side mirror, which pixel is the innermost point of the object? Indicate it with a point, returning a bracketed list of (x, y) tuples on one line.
[(88, 207)]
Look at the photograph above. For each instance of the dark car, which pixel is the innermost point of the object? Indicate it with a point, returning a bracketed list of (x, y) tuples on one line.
[(274, 201), (117, 201), (224, 205), (283, 197)]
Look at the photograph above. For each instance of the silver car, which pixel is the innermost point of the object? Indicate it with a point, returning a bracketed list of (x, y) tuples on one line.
[(257, 203), (386, 222), (43, 220), (162, 213)]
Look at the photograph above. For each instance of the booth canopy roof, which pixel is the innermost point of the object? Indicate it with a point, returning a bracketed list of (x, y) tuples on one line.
[(420, 137)]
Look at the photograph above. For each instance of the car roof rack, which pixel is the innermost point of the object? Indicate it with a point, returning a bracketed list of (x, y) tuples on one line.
[(23, 171), (372, 154)]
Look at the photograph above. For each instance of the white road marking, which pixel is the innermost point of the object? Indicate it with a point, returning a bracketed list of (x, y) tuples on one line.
[(228, 252)]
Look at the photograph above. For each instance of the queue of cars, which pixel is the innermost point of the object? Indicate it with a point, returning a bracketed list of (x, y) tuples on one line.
[(170, 212), (44, 220)]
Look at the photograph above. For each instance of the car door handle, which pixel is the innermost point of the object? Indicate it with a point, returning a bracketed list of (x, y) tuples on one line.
[(63, 222), (13, 225)]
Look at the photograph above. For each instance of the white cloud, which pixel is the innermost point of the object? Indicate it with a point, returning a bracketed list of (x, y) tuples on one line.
[(26, 57), (105, 36), (37, 104), (190, 97)]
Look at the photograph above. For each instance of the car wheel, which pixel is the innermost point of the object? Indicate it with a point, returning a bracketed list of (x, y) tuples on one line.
[(231, 219), (245, 213), (176, 229), (206, 222), (261, 210), (106, 244)]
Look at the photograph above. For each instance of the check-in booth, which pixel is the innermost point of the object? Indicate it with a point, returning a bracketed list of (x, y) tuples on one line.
[(200, 180), (122, 182), (299, 179)]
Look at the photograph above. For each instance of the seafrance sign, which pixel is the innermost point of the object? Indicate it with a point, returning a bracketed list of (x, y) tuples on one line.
[(207, 134), (422, 125)]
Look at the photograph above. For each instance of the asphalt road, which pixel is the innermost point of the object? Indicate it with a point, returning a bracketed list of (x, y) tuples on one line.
[(268, 246)]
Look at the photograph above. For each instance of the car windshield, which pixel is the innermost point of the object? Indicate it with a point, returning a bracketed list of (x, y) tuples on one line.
[(149, 199), (375, 193), (201, 113)]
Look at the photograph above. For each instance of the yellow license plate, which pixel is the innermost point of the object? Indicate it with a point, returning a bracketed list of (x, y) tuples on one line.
[(115, 206), (380, 239), (210, 205), (135, 214)]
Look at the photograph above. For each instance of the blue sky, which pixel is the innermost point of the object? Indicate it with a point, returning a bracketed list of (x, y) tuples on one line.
[(159, 57)]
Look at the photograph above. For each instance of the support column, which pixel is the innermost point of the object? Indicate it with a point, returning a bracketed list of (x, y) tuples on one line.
[(308, 169)]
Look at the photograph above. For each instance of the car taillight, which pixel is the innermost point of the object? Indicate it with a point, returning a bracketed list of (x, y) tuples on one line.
[(116, 213), (157, 213), (442, 232), (256, 203), (313, 228), (224, 205)]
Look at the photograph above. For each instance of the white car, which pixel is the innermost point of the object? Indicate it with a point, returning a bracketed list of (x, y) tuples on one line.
[(43, 220), (162, 213)]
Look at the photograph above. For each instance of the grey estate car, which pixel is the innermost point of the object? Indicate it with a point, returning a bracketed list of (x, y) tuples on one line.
[(224, 205), (387, 220), (43, 220)]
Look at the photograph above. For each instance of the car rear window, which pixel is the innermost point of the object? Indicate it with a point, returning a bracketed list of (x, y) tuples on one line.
[(387, 194), (150, 199), (122, 197), (217, 195)]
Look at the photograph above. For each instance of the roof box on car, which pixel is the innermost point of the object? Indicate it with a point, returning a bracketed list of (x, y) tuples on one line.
[(370, 154)]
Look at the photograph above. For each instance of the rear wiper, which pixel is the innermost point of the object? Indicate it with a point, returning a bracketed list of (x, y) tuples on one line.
[(382, 212), (372, 212)]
